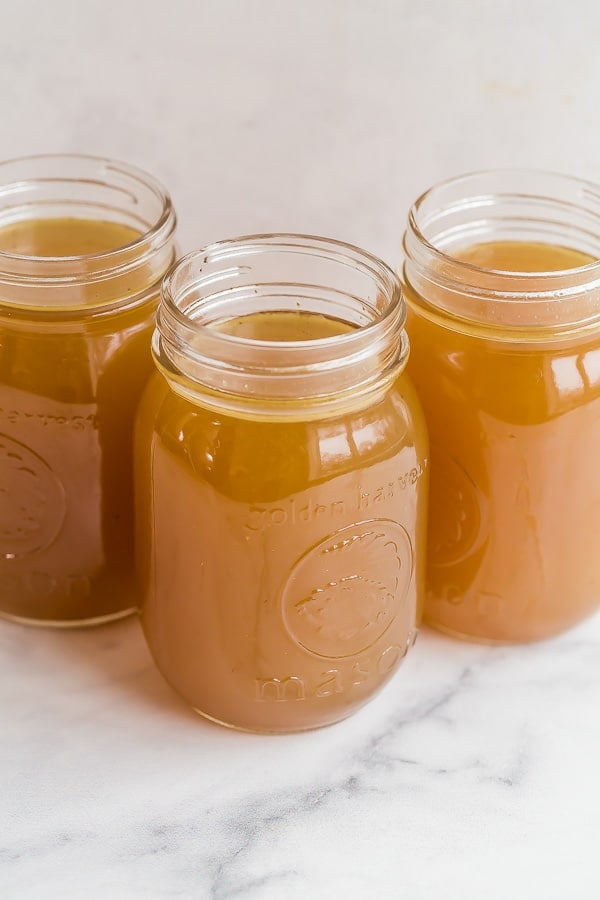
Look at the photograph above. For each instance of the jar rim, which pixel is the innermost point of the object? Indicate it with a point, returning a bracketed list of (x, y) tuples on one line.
[(285, 241), (511, 204), (465, 178), (159, 231), (280, 272)]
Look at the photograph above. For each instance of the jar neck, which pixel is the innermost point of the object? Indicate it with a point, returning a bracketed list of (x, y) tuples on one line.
[(509, 205), (282, 379), (90, 188)]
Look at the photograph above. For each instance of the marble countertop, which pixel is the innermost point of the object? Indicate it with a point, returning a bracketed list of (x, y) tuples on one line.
[(475, 773)]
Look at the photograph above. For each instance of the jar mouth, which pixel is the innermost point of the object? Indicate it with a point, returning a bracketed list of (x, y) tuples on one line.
[(189, 287), (506, 205), (82, 186), (421, 219), (281, 273)]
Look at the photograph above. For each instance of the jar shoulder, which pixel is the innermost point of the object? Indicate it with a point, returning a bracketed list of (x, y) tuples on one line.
[(512, 382), (248, 459)]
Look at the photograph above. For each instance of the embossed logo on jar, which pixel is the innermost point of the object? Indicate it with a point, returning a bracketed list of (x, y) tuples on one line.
[(32, 501), (344, 593), (457, 529)]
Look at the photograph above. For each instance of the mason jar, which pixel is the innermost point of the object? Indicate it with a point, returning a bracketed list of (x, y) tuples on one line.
[(502, 280), (281, 472), (84, 244)]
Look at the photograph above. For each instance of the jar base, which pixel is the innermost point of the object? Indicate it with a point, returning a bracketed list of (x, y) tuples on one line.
[(272, 731), (68, 623), (494, 642)]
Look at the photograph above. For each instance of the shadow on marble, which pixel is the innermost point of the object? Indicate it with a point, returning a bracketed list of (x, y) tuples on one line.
[(111, 657)]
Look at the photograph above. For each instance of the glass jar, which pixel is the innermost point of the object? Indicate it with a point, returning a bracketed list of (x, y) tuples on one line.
[(281, 483), (84, 244), (502, 279)]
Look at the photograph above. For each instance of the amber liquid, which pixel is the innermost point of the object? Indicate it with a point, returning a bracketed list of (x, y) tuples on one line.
[(281, 562), (68, 393), (515, 446)]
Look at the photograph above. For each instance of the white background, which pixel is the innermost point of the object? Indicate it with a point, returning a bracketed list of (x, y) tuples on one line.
[(320, 115)]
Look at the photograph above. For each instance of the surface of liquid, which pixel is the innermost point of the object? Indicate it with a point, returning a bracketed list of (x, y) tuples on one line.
[(284, 326), (64, 237), (281, 562), (523, 256), (515, 490), (68, 393)]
